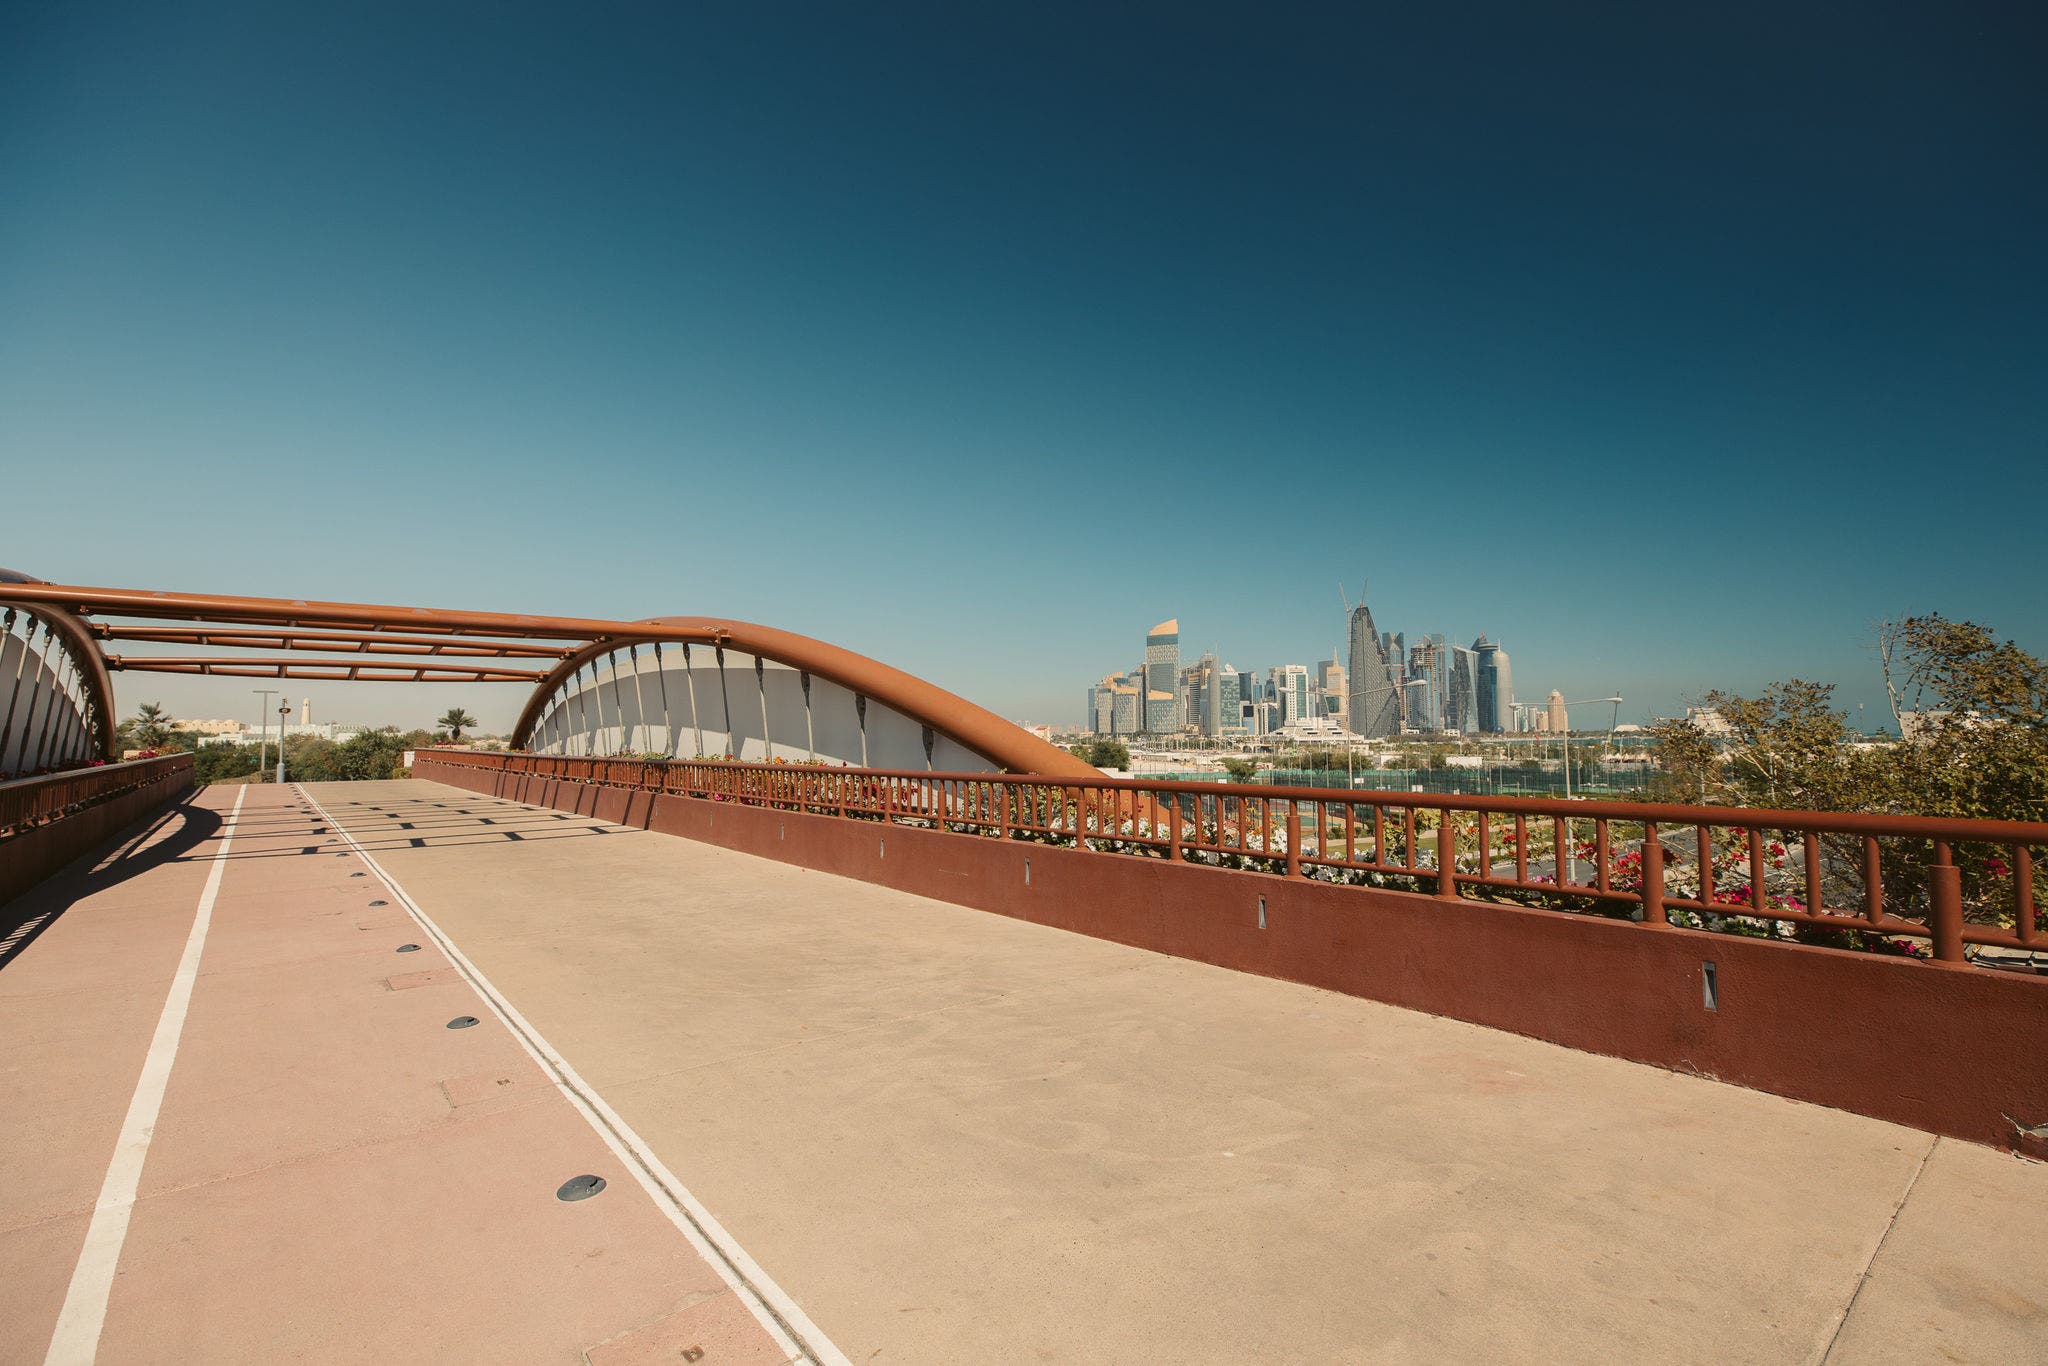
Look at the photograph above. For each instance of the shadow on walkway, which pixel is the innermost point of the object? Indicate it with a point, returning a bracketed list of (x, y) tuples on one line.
[(164, 838)]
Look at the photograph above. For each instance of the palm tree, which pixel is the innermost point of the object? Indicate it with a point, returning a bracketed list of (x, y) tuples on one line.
[(455, 722), (152, 726)]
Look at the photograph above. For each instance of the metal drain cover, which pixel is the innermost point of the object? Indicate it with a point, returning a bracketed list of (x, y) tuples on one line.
[(407, 948), (580, 1188), (462, 1022)]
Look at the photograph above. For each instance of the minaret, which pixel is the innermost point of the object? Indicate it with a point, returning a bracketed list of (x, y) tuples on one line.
[(305, 711)]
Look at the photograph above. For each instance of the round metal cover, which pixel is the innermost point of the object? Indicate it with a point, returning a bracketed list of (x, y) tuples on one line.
[(380, 903), (462, 1022), (580, 1188), (407, 948)]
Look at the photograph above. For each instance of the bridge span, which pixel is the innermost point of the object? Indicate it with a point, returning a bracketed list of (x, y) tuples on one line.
[(842, 1122), (767, 1004)]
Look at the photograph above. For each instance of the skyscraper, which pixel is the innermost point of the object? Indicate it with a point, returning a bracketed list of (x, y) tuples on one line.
[(1426, 665), (1210, 704), (1334, 699), (1375, 703), (1559, 722), (1162, 677), (1496, 688), (1415, 705), (1461, 698), (1291, 690)]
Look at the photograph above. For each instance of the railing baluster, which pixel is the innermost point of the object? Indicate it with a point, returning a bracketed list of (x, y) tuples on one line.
[(1757, 900), (2023, 893), (1705, 849), (1945, 904), (1653, 877)]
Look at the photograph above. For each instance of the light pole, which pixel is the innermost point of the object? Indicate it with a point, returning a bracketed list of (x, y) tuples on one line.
[(282, 712), (1572, 871), (1566, 734), (263, 734)]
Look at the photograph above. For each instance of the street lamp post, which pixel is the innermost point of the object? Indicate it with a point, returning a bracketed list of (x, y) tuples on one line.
[(263, 734), (282, 712), (1566, 734), (1572, 872)]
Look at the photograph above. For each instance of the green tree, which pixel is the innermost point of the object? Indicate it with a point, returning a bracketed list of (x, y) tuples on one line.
[(1240, 770), (1978, 712), (1974, 745), (1689, 762), (214, 763), (454, 722), (1109, 754), (152, 726)]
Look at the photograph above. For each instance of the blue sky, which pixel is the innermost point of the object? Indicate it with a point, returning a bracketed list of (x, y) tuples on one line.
[(1672, 349)]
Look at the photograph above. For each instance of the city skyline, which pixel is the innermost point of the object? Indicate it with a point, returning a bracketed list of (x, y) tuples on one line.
[(1523, 310), (1389, 688)]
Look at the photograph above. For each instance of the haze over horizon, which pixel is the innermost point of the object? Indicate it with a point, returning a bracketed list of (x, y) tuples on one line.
[(1673, 350)]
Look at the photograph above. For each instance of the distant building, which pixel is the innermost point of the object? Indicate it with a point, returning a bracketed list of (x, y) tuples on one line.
[(1113, 706), (1554, 704), (1708, 721), (1209, 693), (1162, 676), (1415, 710), (214, 727), (1291, 690), (1496, 689), (1461, 699), (1428, 664), (1375, 704)]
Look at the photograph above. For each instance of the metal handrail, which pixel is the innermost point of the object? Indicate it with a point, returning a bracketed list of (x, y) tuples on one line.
[(1896, 863), (29, 802)]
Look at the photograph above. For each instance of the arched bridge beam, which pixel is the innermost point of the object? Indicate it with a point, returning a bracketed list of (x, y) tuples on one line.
[(56, 694), (582, 710)]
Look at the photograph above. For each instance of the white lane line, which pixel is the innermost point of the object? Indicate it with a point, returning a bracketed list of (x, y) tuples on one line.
[(77, 1339), (772, 1307)]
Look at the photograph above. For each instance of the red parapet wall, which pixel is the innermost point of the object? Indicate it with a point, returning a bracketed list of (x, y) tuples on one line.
[(44, 841), (1945, 1048)]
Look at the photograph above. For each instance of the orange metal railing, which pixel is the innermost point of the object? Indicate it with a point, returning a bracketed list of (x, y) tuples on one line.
[(29, 802), (1913, 885)]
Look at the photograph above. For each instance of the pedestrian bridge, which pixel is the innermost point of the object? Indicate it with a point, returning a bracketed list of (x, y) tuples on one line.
[(993, 1063)]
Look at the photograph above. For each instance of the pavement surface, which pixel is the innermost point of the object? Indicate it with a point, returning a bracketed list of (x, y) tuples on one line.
[(914, 1133)]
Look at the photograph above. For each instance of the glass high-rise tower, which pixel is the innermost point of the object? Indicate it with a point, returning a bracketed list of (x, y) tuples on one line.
[(1496, 687), (1375, 698), (1461, 701), (1162, 678)]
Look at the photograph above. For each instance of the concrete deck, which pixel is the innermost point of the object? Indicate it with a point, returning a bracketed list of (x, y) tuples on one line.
[(942, 1135)]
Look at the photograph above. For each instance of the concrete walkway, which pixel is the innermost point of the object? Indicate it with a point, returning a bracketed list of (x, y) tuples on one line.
[(942, 1135), (956, 1137), (334, 1175)]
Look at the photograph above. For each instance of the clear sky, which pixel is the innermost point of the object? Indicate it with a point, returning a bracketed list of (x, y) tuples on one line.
[(1672, 346)]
